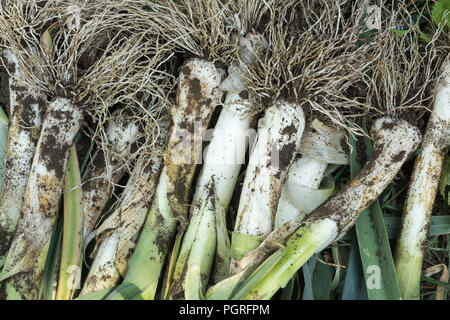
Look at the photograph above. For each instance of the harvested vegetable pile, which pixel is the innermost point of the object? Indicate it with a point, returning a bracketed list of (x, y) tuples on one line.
[(224, 149)]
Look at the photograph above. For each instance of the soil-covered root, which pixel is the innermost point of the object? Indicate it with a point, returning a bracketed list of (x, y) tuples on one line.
[(316, 60)]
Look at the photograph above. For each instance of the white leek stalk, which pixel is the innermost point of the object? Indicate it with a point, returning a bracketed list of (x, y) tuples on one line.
[(26, 107), (117, 235), (422, 191), (25, 259), (394, 141), (198, 95), (278, 139), (3, 142), (223, 159), (301, 194)]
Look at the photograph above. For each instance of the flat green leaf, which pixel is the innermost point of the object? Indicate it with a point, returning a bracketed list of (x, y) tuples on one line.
[(376, 255), (173, 257), (288, 292), (237, 286), (340, 254), (97, 295), (242, 289), (322, 281), (439, 225), (243, 243), (223, 289), (318, 280), (374, 248), (54, 252), (308, 270)]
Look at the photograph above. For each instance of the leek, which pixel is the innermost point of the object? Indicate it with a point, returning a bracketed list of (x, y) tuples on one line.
[(26, 111), (278, 138), (117, 235), (70, 267), (197, 97), (223, 159)]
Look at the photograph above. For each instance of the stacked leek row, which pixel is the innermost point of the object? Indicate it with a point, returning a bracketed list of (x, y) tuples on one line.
[(151, 211)]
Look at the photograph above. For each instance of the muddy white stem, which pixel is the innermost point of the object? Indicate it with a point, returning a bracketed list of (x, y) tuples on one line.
[(117, 235), (394, 141), (222, 162), (26, 107), (277, 143), (302, 192), (198, 95), (41, 200), (422, 191)]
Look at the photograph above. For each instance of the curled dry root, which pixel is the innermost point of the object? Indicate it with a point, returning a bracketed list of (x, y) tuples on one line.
[(94, 53)]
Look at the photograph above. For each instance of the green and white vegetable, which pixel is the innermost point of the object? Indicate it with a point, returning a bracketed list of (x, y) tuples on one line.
[(26, 107), (277, 144), (302, 191), (117, 235), (422, 191), (70, 267), (41, 200), (198, 95), (206, 231), (394, 141), (98, 185)]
